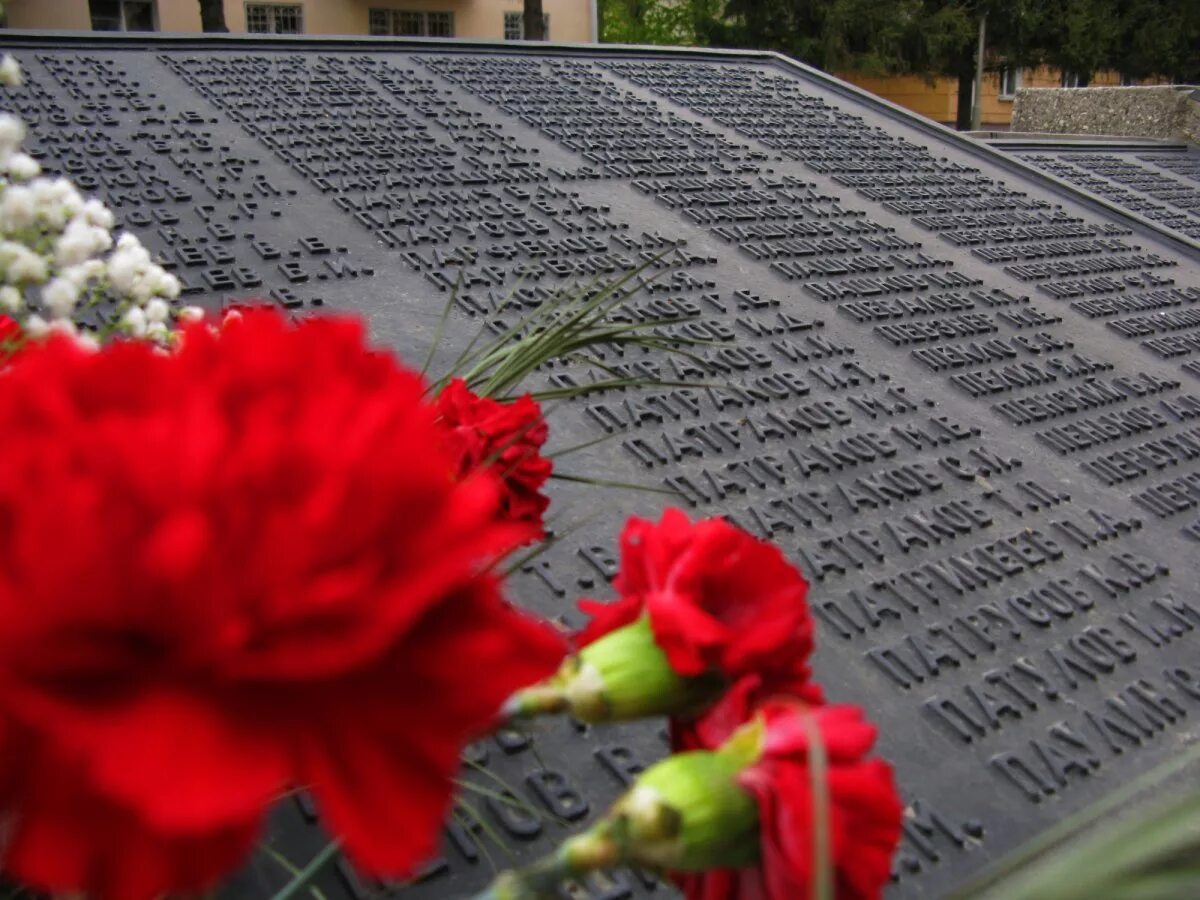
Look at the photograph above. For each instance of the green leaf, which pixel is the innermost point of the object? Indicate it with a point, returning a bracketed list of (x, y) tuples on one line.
[(488, 829), (571, 321), (604, 482), (1085, 856), (291, 868), (575, 448), (1155, 853), (441, 325), (305, 876)]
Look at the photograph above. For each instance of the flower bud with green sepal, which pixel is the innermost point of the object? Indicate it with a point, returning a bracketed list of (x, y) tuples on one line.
[(687, 813), (790, 806), (702, 605), (623, 675)]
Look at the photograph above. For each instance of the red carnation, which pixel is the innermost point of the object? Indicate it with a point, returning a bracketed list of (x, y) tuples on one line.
[(864, 810), (718, 599), (229, 570), (713, 726), (506, 438)]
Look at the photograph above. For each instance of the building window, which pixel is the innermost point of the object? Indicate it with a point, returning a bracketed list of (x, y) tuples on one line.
[(1070, 79), (1010, 81), (514, 26), (122, 15), (274, 18), (410, 24)]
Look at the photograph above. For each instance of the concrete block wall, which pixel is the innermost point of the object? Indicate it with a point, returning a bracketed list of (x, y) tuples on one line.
[(1159, 111)]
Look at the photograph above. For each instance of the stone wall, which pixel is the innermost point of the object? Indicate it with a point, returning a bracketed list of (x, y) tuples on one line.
[(1164, 111)]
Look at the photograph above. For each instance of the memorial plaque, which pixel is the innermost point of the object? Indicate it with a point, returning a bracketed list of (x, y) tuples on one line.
[(962, 396), (1160, 182)]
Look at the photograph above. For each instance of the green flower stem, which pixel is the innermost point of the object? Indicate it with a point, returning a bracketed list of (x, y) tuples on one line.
[(543, 699), (822, 855), (588, 852)]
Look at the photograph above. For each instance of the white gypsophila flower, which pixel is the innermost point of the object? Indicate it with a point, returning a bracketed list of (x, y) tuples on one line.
[(124, 268), (134, 321), (12, 133), (157, 310), (151, 282), (96, 213), (35, 326), (8, 251), (157, 331), (143, 290), (59, 297), (10, 299), (80, 241), (87, 341), (52, 191), (57, 201), (88, 270), (10, 71), (18, 208), (128, 241), (25, 265), (190, 314), (169, 286), (73, 248), (62, 326), (23, 167)]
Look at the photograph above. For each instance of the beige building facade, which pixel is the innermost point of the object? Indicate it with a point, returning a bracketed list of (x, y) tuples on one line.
[(572, 21)]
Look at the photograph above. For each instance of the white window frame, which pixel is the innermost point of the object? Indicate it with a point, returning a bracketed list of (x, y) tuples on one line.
[(273, 11), (1070, 79), (514, 26), (1006, 73)]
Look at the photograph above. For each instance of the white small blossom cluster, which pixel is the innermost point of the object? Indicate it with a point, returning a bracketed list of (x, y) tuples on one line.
[(52, 245), (10, 70)]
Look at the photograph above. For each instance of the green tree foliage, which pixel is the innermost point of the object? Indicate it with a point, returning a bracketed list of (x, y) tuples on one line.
[(1158, 38), (1139, 38), (1079, 36), (927, 37), (950, 40), (878, 37), (875, 36), (657, 21)]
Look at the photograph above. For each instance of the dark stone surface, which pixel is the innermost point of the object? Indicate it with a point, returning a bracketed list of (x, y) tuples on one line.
[(965, 401), (1163, 186)]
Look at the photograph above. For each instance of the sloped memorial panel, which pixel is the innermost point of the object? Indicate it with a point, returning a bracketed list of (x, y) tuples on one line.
[(1161, 184), (964, 398)]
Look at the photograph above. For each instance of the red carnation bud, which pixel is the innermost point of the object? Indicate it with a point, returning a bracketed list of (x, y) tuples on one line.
[(718, 599), (853, 812), (503, 438), (788, 797), (703, 605)]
